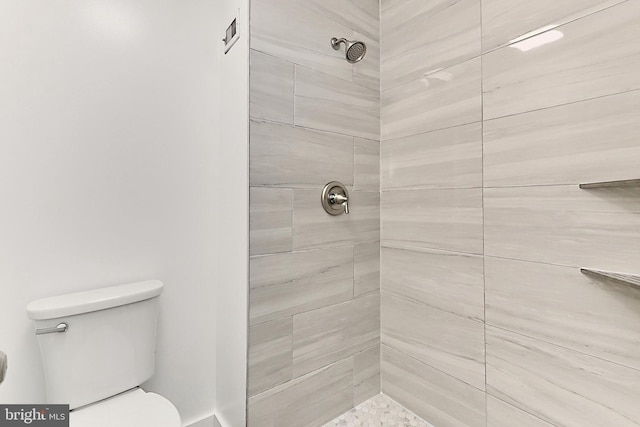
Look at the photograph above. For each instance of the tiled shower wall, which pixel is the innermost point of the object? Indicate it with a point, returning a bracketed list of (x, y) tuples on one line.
[(314, 339), (486, 318)]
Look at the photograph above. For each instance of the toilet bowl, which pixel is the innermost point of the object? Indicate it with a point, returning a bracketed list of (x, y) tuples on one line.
[(133, 408), (97, 348)]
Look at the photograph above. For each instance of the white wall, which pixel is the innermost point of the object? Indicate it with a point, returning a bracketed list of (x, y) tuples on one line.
[(233, 222), (108, 131)]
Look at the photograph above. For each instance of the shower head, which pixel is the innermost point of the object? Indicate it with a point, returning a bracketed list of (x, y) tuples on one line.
[(354, 50)]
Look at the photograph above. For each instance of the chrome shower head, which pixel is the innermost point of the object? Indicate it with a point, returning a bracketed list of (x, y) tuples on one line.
[(354, 50)]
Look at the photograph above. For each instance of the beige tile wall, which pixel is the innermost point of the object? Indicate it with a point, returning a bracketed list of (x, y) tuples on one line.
[(314, 339), (454, 285), (482, 220)]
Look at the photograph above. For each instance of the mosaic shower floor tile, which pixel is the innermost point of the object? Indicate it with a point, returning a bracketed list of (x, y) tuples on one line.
[(379, 411)]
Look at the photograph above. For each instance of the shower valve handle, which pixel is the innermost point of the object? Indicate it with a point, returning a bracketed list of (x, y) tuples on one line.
[(339, 199), (335, 198)]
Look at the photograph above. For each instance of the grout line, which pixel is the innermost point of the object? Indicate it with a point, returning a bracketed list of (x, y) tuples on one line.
[(430, 306), (380, 47), (502, 328), (433, 367), (563, 104), (519, 409), (484, 268), (323, 248)]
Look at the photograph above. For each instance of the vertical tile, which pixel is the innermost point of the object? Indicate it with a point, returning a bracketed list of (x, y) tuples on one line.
[(298, 157), (560, 386), (366, 268), (313, 227), (439, 100), (310, 400), (271, 228), (588, 141), (437, 397), (448, 158), (366, 374), (565, 225), (501, 414), (562, 306), (437, 219), (326, 335), (450, 343), (289, 30), (271, 88), (448, 281), (423, 36), (270, 355), (290, 283), (504, 20), (580, 65), (325, 102), (366, 167)]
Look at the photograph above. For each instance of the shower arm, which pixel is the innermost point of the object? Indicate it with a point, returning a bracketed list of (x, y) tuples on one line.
[(335, 42)]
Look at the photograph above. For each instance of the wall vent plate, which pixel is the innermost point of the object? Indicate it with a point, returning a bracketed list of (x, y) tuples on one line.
[(232, 34)]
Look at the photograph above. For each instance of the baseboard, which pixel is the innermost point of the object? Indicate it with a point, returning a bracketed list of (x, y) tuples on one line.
[(211, 421)]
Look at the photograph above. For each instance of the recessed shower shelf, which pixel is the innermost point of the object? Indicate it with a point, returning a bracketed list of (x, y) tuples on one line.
[(604, 184), (628, 279)]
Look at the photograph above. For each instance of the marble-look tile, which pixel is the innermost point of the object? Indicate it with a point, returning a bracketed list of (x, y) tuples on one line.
[(329, 334), (588, 141), (313, 227), (366, 374), (436, 219), (578, 66), (443, 99), (286, 284), (270, 355), (379, 411), (367, 72), (298, 157), (329, 103), (362, 16), (437, 397), (447, 158), (450, 343), (366, 268), (423, 36), (271, 88), (366, 168), (560, 386), (501, 414), (505, 20), (292, 31), (562, 306), (449, 281), (270, 222), (565, 225), (310, 401)]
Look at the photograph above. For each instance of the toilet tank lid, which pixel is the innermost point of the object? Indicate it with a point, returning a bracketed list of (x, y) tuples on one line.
[(93, 300)]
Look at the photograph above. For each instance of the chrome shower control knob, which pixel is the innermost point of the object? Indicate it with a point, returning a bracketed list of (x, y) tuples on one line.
[(3, 366), (335, 198)]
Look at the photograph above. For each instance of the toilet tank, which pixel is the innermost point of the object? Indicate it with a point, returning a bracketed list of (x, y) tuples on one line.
[(108, 346)]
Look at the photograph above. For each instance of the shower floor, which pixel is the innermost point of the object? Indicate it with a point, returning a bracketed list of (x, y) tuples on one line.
[(379, 411)]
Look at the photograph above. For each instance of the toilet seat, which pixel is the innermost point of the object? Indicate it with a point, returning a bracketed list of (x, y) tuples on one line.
[(134, 408)]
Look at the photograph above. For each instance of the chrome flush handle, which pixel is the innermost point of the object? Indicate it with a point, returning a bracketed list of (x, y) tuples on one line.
[(61, 327)]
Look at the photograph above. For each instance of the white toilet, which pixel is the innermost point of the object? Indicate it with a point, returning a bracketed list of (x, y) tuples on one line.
[(97, 348)]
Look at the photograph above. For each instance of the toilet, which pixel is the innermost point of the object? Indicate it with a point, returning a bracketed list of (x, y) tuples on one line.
[(97, 347)]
